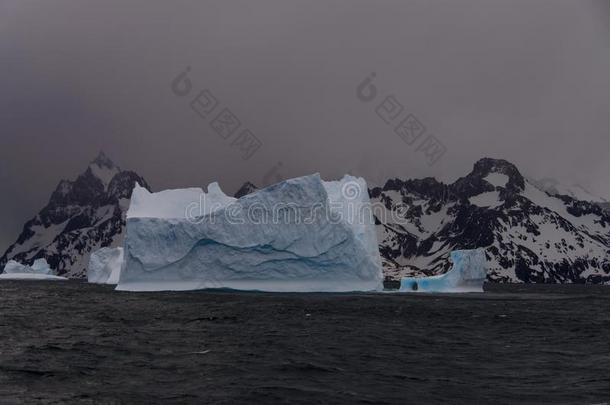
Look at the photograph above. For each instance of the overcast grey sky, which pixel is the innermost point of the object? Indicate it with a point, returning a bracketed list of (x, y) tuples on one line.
[(525, 80)]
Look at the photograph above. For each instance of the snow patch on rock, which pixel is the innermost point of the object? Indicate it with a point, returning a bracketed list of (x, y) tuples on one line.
[(488, 199), (497, 179)]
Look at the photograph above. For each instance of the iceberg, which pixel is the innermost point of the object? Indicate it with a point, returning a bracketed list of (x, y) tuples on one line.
[(300, 235), (40, 266), (105, 266), (467, 274), (40, 270)]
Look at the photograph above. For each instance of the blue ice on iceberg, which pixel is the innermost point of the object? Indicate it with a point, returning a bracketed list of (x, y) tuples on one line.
[(467, 274), (302, 234)]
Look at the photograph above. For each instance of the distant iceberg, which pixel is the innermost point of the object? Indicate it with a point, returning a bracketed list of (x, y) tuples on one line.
[(40, 266), (105, 266), (467, 274), (302, 234), (40, 270)]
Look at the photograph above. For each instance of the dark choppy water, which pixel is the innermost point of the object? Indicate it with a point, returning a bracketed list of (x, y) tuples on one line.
[(78, 343)]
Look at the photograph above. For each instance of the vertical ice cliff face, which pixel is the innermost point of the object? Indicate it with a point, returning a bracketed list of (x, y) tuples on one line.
[(296, 235), (467, 274), (105, 266), (349, 199)]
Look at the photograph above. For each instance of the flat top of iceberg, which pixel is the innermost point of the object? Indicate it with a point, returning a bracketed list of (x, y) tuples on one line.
[(178, 203)]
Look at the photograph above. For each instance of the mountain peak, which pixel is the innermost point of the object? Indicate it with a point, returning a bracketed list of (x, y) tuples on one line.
[(489, 173), (486, 166), (247, 188), (104, 169), (103, 161)]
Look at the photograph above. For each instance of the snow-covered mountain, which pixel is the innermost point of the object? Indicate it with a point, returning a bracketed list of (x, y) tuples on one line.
[(81, 216), (528, 234)]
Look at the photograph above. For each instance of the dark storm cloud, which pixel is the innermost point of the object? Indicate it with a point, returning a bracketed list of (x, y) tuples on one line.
[(523, 80)]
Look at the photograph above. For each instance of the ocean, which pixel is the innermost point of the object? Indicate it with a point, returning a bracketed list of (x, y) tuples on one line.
[(73, 342)]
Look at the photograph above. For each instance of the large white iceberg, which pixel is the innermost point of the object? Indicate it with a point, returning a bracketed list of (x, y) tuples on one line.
[(105, 266), (467, 274), (39, 270), (302, 234)]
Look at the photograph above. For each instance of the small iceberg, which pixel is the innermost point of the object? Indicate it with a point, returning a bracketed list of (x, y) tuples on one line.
[(467, 274), (105, 266), (40, 270), (40, 266)]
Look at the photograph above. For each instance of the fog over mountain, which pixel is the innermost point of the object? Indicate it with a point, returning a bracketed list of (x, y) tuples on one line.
[(522, 80)]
